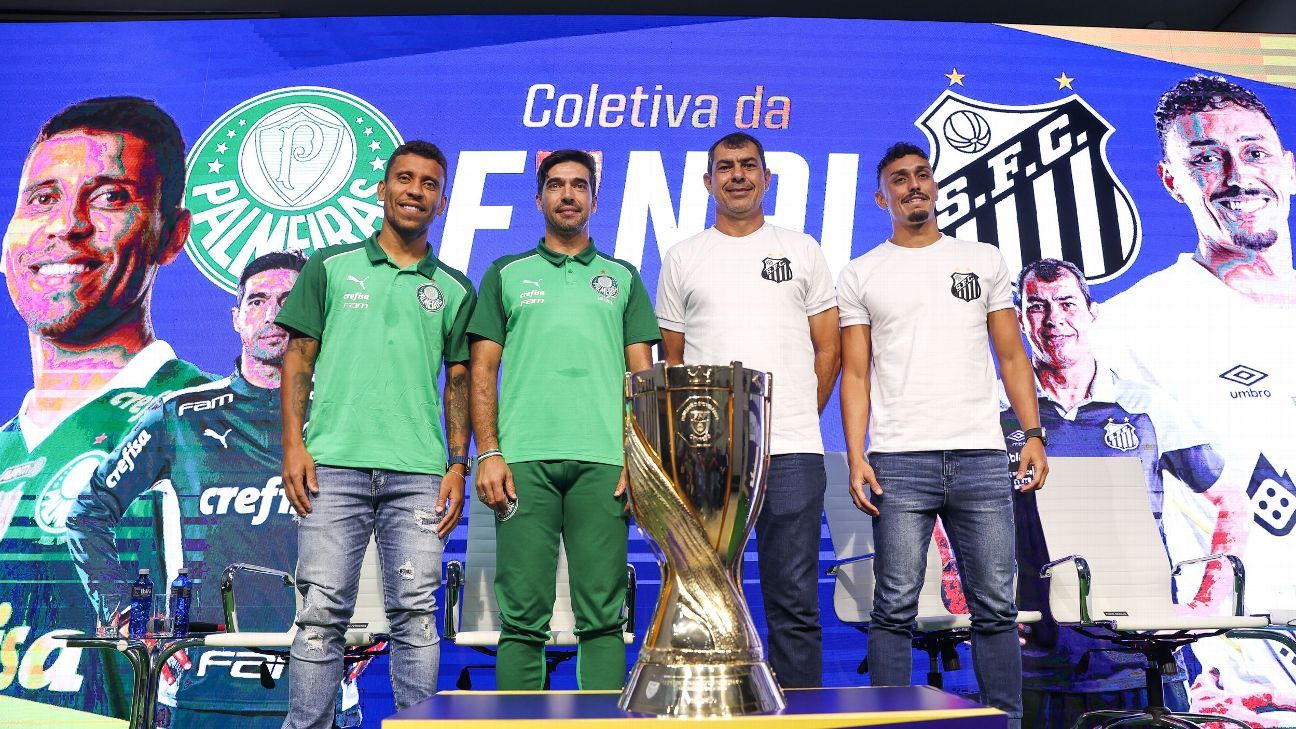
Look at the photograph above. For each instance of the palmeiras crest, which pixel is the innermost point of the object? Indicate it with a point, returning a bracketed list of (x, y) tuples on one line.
[(1033, 180)]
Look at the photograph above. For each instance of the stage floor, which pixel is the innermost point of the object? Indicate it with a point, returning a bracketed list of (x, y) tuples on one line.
[(916, 707)]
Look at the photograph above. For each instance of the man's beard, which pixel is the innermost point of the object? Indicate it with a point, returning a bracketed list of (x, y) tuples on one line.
[(563, 228), (919, 216), (1255, 241)]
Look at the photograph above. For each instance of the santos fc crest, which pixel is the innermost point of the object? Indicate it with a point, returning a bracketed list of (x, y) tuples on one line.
[(1033, 180)]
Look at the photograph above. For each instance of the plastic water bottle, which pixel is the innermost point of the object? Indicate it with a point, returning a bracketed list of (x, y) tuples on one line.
[(141, 604), (181, 597)]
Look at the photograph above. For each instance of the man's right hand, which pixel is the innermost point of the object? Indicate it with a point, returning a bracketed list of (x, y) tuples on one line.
[(494, 483), (862, 481), (299, 478)]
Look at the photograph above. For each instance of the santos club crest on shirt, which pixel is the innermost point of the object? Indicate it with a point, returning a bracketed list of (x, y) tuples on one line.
[(1120, 435), (1033, 180), (777, 270), (966, 286)]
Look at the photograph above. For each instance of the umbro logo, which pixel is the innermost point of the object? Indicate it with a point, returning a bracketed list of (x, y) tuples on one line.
[(1248, 377), (218, 436), (360, 281)]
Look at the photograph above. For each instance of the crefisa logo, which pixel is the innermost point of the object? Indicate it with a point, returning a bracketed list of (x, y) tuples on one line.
[(291, 169), (1033, 180)]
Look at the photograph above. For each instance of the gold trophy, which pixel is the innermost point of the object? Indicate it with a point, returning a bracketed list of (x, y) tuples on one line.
[(697, 448)]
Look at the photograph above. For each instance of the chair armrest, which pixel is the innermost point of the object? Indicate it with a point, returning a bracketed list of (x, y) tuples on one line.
[(632, 589), (1239, 576), (453, 595), (227, 588), (1082, 572), (832, 569)]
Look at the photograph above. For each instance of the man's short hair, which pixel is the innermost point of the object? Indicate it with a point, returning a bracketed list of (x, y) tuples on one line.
[(1203, 93), (291, 260), (1049, 270), (895, 152), (138, 117), (735, 140), (420, 148), (557, 157)]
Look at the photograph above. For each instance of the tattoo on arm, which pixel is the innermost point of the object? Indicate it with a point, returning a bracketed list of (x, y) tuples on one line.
[(458, 425), (297, 383)]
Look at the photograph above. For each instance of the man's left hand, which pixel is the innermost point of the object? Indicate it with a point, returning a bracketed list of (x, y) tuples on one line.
[(1035, 462), (622, 483), (450, 500)]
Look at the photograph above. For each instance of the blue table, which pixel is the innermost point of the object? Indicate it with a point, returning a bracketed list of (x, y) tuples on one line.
[(910, 707)]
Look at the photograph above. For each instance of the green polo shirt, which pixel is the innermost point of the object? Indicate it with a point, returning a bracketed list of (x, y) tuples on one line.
[(564, 323), (383, 334)]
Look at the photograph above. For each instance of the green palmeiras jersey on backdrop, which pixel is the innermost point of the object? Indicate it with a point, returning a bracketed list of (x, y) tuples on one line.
[(41, 597), (216, 447)]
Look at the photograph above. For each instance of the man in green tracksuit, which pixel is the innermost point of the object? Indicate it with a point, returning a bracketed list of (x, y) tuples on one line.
[(567, 321)]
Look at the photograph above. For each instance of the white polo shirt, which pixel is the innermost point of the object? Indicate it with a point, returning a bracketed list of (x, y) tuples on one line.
[(933, 384), (749, 300)]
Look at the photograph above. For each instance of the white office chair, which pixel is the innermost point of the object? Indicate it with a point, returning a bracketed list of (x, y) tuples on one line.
[(1110, 577), (472, 616), (937, 631), (367, 629)]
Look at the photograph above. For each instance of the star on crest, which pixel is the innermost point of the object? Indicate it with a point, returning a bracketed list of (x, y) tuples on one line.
[(955, 78), (1064, 81), (214, 167), (377, 164)]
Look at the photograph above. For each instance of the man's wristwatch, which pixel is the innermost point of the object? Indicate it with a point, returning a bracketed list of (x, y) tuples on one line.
[(1038, 433), (464, 461)]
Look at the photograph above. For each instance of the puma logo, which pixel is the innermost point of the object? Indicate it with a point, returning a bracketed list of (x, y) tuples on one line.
[(219, 436), (360, 281), (535, 284)]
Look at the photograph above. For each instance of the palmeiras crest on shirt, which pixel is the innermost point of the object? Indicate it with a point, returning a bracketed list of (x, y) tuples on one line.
[(1033, 180), (605, 285), (777, 270), (965, 286), (429, 295), (1120, 435)]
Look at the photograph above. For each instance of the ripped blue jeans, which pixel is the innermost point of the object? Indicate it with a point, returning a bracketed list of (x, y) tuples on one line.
[(352, 504)]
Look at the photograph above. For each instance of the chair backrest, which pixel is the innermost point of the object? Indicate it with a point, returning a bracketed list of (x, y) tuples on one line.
[(852, 535), (1098, 508), (479, 611), (370, 608)]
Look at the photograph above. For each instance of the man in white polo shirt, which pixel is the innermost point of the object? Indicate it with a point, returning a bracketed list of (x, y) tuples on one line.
[(919, 314), (748, 291)]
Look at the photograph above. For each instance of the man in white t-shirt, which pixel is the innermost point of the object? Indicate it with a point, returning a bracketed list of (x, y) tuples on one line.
[(1215, 329), (748, 291), (918, 315)]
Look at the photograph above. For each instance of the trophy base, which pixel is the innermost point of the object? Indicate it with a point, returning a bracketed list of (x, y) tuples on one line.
[(695, 690)]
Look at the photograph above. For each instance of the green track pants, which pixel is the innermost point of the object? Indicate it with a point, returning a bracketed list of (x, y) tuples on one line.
[(572, 499)]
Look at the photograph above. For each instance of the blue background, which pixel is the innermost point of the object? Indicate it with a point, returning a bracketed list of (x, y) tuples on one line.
[(856, 87)]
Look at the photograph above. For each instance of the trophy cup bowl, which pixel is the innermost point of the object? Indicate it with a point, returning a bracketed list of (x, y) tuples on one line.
[(697, 449)]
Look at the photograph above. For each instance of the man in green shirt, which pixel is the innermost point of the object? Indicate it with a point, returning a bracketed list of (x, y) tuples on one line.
[(372, 322), (568, 322)]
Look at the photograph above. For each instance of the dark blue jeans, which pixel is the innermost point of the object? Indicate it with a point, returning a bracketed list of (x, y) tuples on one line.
[(787, 544), (971, 492)]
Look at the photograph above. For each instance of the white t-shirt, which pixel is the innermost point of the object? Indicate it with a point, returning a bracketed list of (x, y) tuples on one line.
[(1231, 363), (933, 384), (749, 300)]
